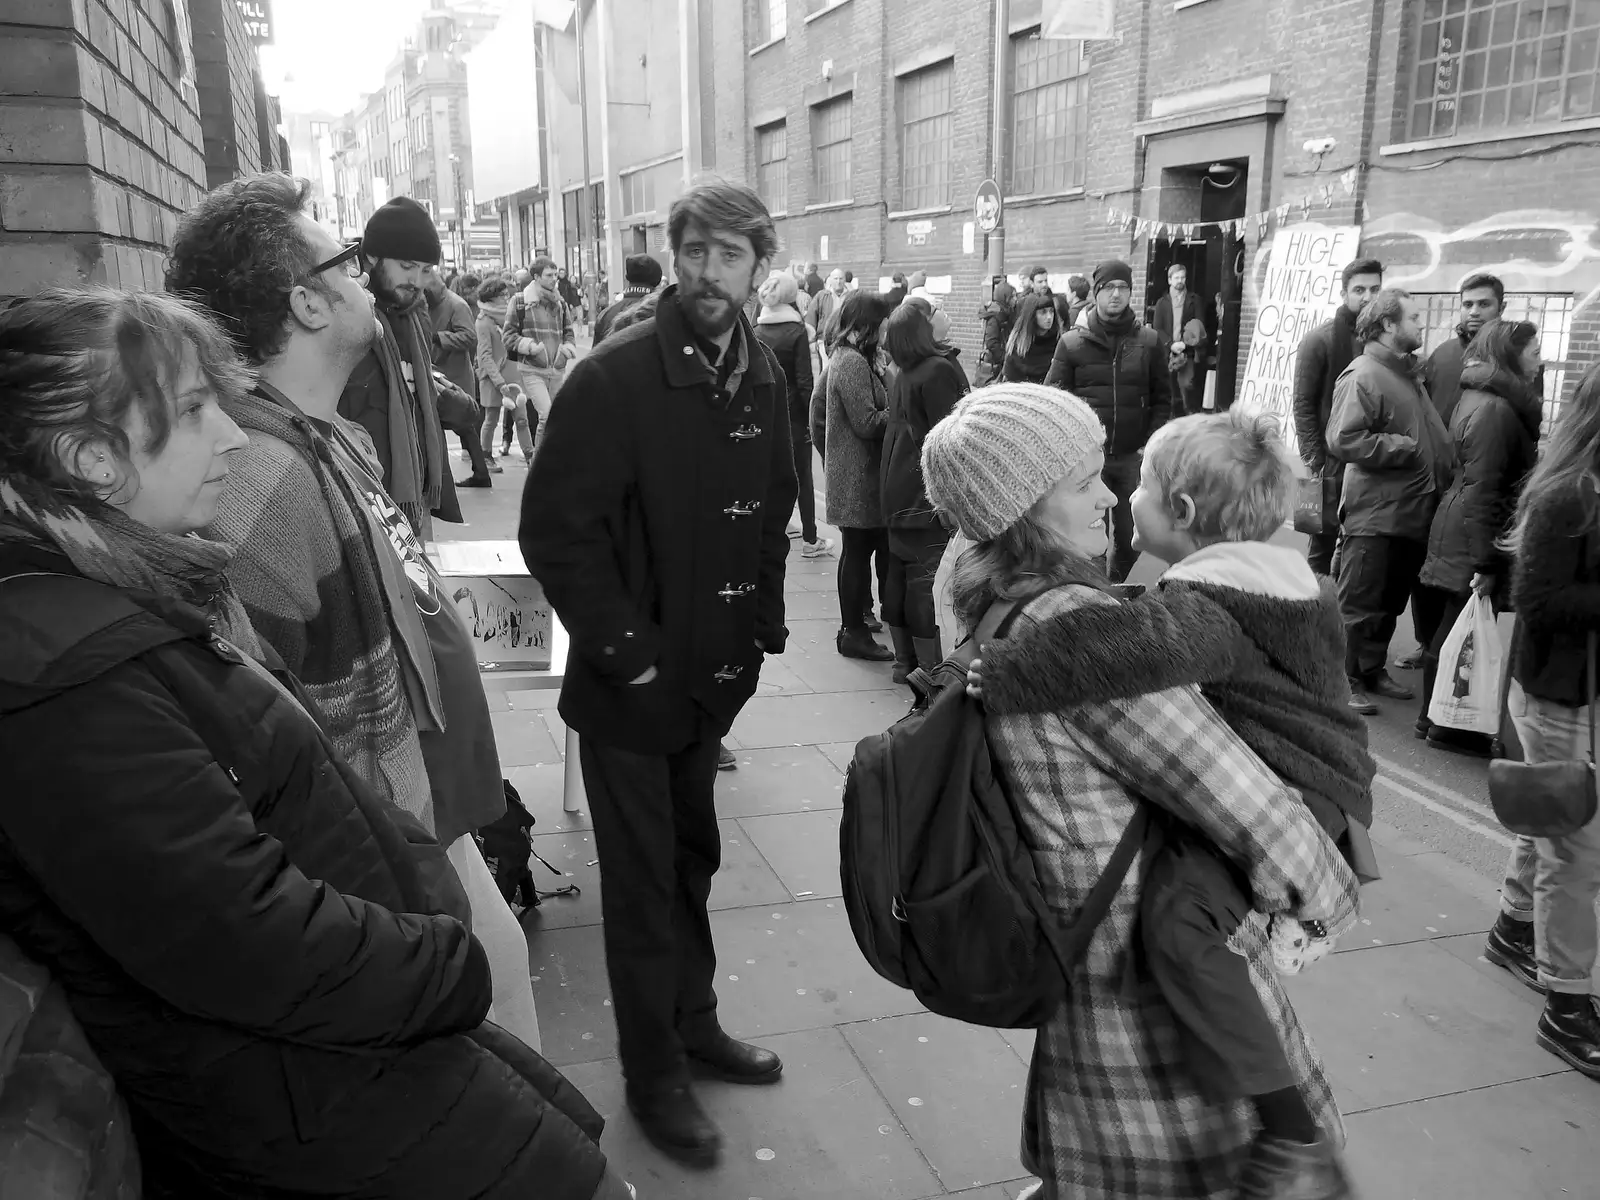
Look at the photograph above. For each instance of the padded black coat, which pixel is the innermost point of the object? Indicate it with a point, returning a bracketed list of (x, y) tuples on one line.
[(261, 951), (1124, 379)]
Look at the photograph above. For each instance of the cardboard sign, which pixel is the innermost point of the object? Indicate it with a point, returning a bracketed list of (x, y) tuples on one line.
[(1299, 291), (502, 606)]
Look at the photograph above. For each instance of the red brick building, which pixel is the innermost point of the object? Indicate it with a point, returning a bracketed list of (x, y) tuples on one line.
[(1465, 136)]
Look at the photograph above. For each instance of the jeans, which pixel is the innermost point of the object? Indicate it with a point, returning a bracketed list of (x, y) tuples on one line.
[(518, 411), (1121, 475), (800, 442), (1321, 547), (1377, 576), (914, 555), (1553, 882), (860, 547), (541, 385)]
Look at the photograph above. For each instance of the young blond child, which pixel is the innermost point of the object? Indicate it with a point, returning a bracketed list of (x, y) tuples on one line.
[(1250, 624)]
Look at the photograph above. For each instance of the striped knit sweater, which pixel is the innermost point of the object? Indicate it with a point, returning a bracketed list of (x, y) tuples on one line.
[(305, 572)]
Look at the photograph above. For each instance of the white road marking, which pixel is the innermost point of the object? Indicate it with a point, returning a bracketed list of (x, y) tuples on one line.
[(1482, 828)]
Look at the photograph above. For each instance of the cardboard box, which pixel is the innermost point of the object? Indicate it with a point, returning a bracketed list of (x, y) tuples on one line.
[(503, 607)]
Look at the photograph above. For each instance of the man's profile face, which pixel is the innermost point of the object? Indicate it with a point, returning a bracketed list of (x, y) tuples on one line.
[(1361, 289), (397, 281), (432, 281), (1479, 306), (717, 271), (1406, 333), (349, 303)]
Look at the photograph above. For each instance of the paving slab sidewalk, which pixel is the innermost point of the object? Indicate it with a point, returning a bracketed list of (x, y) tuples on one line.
[(1430, 1047)]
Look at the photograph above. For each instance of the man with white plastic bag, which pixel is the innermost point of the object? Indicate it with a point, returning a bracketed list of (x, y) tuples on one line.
[(1466, 690)]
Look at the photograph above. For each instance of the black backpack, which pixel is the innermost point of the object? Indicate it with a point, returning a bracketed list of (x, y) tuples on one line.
[(939, 885)]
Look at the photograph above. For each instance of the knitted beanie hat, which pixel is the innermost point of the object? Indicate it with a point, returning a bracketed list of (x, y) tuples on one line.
[(1002, 449), (1112, 271), (402, 229)]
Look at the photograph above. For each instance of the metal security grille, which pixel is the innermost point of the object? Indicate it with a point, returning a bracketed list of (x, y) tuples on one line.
[(925, 129), (772, 166), (830, 151), (1487, 65), (1049, 114), (1550, 311)]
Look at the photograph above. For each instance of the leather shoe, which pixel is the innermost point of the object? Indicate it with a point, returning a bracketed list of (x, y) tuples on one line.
[(735, 1062), (1510, 945), (676, 1124), (1359, 701), (1278, 1169), (472, 481), (1569, 1028), (1382, 684), (858, 643)]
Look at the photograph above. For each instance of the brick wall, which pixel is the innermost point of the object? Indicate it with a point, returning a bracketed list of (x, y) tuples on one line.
[(1333, 66), (225, 65), (100, 148)]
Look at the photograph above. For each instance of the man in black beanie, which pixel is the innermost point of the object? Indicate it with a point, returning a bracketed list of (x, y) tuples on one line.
[(1119, 367), (643, 275), (391, 393)]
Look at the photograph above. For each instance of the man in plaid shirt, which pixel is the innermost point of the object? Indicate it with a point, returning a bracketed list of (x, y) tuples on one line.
[(539, 335)]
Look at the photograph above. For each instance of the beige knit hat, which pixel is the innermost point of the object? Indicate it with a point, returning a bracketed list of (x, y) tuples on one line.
[(1003, 448)]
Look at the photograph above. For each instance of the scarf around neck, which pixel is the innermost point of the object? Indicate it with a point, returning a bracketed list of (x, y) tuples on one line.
[(1119, 326), (416, 439), (112, 548)]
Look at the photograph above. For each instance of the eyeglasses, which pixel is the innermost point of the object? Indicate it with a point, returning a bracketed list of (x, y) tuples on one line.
[(349, 258)]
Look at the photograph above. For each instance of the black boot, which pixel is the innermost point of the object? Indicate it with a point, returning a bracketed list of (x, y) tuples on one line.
[(929, 652), (905, 653), (1569, 1028), (858, 643), (1510, 945), (674, 1121)]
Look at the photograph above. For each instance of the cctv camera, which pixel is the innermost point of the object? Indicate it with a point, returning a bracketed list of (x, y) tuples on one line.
[(1320, 146)]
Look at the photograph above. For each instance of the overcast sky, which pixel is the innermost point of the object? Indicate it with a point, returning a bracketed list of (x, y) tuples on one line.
[(328, 53)]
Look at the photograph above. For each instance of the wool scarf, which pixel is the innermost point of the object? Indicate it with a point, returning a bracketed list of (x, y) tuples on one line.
[(416, 439), (112, 548)]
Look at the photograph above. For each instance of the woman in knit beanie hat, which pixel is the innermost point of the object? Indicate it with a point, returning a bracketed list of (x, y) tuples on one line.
[(1017, 465), (1113, 1110)]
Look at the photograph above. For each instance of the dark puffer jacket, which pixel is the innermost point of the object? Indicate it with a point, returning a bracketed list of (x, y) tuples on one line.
[(260, 950), (1495, 427), (1124, 379), (919, 399)]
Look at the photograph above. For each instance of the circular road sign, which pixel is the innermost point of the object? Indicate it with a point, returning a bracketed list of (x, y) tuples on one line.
[(988, 205)]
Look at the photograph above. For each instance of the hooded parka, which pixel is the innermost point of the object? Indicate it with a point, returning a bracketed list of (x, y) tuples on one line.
[(271, 961)]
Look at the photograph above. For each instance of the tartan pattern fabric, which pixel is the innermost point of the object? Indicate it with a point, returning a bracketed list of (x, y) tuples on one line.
[(544, 319), (1111, 1109)]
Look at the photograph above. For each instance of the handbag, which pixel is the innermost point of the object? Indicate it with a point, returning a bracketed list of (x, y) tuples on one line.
[(1316, 505), (1548, 799)]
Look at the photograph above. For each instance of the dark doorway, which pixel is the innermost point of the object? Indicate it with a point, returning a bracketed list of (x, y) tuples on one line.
[(1205, 192)]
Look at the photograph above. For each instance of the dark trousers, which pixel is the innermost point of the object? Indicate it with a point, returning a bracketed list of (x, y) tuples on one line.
[(800, 440), (1191, 905), (914, 555), (1377, 576), (1435, 612), (1121, 475), (1323, 546), (861, 551), (655, 833), (472, 443)]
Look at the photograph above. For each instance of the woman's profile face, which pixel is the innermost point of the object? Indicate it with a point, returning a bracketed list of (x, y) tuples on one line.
[(1531, 360), (1075, 509), (176, 489), (1044, 318), (941, 324)]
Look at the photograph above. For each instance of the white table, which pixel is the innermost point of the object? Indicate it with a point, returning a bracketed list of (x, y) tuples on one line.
[(497, 682)]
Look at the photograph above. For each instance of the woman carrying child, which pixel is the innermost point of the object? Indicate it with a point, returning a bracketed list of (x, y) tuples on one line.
[(1121, 1103)]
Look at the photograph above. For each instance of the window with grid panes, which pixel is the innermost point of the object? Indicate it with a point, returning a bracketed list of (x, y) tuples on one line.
[(925, 128), (1551, 311), (772, 20), (772, 166), (830, 151), (1049, 114), (1487, 66)]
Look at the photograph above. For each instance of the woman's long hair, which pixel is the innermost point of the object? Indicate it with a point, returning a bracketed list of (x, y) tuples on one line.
[(860, 322), (1570, 464), (1026, 329), (1501, 343), (909, 338), (1025, 559)]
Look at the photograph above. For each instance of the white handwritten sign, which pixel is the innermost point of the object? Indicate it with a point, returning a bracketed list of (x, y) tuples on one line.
[(1300, 290), (503, 608)]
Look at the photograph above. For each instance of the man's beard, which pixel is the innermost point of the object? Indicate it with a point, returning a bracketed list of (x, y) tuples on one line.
[(390, 297), (707, 326)]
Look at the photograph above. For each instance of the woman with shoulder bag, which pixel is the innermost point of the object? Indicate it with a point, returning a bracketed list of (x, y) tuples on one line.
[(1546, 931), (1495, 428)]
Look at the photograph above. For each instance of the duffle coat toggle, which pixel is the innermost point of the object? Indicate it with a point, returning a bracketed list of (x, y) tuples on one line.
[(728, 673), (732, 591), (746, 432), (743, 508)]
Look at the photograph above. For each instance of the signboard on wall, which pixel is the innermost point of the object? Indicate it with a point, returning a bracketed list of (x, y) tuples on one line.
[(257, 20), (1299, 289)]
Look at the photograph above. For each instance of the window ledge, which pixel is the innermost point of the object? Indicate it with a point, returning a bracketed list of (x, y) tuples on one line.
[(1511, 135), (1180, 5), (936, 210), (829, 204), (1043, 197), (766, 45), (779, 215), (822, 12)]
